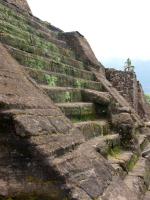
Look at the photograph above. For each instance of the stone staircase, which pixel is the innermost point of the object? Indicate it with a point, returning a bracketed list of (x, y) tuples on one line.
[(86, 102)]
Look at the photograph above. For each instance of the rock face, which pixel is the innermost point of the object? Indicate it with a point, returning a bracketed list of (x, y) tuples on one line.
[(22, 4), (66, 132), (128, 86)]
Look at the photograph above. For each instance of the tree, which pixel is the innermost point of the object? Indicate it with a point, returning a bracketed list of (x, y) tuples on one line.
[(128, 62), (128, 66)]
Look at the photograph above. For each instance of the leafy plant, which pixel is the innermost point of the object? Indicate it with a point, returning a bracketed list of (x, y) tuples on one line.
[(115, 151), (67, 97), (78, 84), (51, 80)]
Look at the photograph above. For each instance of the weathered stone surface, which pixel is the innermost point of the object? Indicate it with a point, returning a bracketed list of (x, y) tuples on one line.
[(124, 124), (92, 177), (124, 109), (147, 196), (118, 190), (21, 4), (81, 47), (30, 122), (96, 97), (122, 118), (117, 97), (93, 128), (42, 154), (130, 88), (138, 179)]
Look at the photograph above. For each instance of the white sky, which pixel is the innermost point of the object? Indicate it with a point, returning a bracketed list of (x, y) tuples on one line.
[(114, 28)]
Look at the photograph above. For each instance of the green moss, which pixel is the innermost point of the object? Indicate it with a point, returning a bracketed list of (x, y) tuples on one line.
[(62, 80), (77, 119), (78, 84), (115, 151), (30, 38), (33, 39), (39, 62), (61, 96), (19, 20), (67, 97), (132, 162), (104, 130)]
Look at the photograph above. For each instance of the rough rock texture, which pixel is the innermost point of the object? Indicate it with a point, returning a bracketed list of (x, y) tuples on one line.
[(118, 191), (34, 119), (128, 86), (66, 132), (34, 123), (83, 51), (21, 4)]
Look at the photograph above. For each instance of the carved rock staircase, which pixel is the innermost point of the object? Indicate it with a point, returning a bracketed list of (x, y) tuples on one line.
[(94, 164)]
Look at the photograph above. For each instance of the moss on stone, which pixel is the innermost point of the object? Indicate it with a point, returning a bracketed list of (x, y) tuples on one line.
[(62, 96), (20, 20), (30, 38), (62, 80), (77, 119), (51, 80), (33, 39), (132, 162), (115, 151)]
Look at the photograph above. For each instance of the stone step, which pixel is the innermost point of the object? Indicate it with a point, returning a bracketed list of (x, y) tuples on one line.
[(33, 21), (24, 45), (31, 25), (98, 97), (147, 195), (143, 141), (63, 94), (118, 190), (50, 65), (78, 110), (78, 168), (33, 39), (52, 148), (146, 151), (125, 159), (92, 129), (57, 145), (60, 80), (138, 179), (104, 143)]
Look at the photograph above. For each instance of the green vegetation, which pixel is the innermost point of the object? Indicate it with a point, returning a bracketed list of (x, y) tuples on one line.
[(128, 66), (78, 84), (51, 80), (77, 119), (67, 97), (147, 98), (132, 162), (115, 151)]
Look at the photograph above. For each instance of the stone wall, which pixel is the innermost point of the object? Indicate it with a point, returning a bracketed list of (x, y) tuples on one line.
[(130, 88), (143, 106)]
